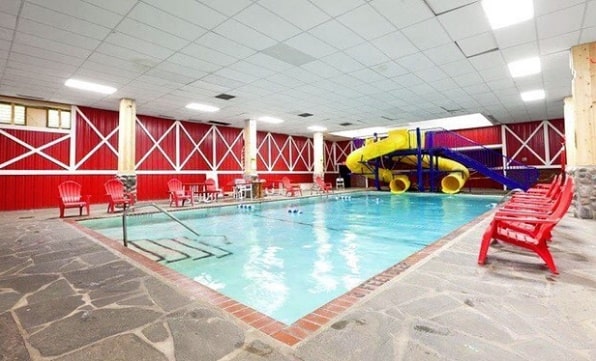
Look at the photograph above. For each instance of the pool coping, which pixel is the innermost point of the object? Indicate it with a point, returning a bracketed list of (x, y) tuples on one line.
[(301, 329)]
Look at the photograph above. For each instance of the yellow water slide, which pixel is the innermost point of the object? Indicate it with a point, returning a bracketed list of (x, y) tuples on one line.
[(399, 139)]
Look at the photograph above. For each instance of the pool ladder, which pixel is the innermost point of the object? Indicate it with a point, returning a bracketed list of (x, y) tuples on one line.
[(168, 214)]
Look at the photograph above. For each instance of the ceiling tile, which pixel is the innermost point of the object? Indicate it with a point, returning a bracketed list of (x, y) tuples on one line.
[(121, 7), (342, 62), (154, 35), (82, 10), (336, 34), (488, 60), (224, 45), (516, 34), (51, 45), (560, 22), (243, 34), (191, 11), (311, 45), (209, 55), (390, 69), (367, 54), (544, 7), (444, 54), (366, 22), (266, 22), (322, 69), (465, 22), (477, 44), (395, 45), (166, 22), (62, 21), (458, 67), (55, 34), (408, 12), (441, 6), (301, 13), (559, 43), (8, 21), (427, 34), (228, 7), (336, 8), (138, 45), (415, 62), (520, 52)]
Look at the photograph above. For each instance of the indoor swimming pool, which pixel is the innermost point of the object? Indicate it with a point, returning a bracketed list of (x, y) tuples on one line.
[(287, 258)]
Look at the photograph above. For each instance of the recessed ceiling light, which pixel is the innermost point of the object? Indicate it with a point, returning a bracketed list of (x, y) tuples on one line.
[(533, 95), (85, 85), (202, 107), (524, 67), (362, 133), (317, 128), (502, 13), (271, 120)]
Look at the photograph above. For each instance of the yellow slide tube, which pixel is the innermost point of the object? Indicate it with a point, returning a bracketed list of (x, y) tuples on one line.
[(398, 140), (395, 140)]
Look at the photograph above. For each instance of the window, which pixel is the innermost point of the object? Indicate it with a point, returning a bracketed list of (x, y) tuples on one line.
[(12, 114), (58, 118)]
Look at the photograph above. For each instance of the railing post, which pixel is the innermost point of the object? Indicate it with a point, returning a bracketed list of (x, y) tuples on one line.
[(124, 235)]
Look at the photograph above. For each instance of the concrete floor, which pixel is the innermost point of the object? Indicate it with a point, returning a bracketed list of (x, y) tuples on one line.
[(65, 296)]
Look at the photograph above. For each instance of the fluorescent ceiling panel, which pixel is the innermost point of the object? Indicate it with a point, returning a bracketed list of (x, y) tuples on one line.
[(502, 13), (202, 107), (270, 120), (533, 95), (524, 67), (93, 87)]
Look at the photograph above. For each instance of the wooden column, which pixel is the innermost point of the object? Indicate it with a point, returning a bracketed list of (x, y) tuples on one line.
[(126, 144), (583, 65)]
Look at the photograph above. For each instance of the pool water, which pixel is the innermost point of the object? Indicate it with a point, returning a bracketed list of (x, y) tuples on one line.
[(286, 259)]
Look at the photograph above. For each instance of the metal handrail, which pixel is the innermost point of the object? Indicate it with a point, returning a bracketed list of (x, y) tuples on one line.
[(168, 214)]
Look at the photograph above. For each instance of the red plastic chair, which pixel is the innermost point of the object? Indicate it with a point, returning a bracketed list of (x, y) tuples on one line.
[(117, 197), (322, 186), (70, 197), (178, 195), (526, 228), (290, 189)]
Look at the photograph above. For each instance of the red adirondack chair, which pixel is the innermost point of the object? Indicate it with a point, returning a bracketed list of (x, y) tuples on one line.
[(290, 189), (70, 197), (117, 197), (323, 186), (178, 195), (528, 228)]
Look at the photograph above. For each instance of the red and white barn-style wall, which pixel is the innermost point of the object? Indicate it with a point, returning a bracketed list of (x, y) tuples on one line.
[(33, 161)]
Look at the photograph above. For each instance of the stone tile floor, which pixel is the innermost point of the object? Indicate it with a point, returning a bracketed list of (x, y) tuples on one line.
[(65, 296)]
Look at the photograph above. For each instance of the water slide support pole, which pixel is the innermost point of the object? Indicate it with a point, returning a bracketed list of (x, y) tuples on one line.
[(419, 163), (377, 165)]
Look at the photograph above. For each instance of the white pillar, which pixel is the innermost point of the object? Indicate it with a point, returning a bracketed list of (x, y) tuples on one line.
[(250, 148), (319, 155)]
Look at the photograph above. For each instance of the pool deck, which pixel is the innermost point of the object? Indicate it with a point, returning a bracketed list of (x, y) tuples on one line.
[(67, 296)]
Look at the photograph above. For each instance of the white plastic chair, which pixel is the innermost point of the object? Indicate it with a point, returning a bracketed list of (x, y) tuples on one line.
[(242, 189)]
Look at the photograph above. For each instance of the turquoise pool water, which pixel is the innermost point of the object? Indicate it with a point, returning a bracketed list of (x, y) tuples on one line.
[(286, 259)]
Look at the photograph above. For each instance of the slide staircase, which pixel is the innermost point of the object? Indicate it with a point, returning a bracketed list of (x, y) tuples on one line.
[(488, 162)]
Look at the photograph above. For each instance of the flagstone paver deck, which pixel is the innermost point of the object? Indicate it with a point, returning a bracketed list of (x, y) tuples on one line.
[(65, 296)]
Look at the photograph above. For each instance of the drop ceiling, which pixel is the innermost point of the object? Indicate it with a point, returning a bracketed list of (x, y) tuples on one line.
[(365, 63)]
